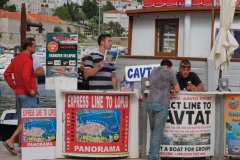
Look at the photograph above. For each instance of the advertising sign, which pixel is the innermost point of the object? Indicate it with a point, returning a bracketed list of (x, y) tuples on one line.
[(61, 57), (96, 124), (190, 127), (136, 73), (39, 133), (231, 125)]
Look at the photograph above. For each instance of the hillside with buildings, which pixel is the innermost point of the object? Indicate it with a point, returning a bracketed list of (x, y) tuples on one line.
[(66, 16)]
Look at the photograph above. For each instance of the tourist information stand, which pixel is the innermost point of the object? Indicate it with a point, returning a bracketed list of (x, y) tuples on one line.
[(97, 123), (190, 128), (200, 124)]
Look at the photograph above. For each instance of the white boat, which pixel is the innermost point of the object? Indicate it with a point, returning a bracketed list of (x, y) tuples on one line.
[(8, 123), (2, 70)]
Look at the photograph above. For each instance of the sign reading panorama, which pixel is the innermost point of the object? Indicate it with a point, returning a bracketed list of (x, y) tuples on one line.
[(136, 73)]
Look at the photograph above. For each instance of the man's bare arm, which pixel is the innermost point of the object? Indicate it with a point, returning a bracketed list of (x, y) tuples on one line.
[(39, 71), (114, 81), (91, 71), (200, 87)]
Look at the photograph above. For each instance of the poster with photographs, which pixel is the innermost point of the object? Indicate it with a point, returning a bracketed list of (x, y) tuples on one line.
[(231, 125), (190, 127), (39, 133), (96, 124), (61, 57)]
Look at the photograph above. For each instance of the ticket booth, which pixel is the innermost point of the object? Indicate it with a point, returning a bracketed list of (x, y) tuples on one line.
[(97, 123)]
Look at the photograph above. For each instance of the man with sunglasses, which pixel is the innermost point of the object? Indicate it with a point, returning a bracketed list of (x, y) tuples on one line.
[(188, 81)]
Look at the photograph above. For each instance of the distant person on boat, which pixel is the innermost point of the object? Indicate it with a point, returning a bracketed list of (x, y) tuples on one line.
[(24, 85), (188, 81), (82, 82), (101, 75), (163, 84)]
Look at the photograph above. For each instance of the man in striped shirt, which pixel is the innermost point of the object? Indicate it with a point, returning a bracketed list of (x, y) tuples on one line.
[(101, 75)]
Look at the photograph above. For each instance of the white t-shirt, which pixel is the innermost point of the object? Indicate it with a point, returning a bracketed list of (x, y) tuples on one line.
[(36, 62)]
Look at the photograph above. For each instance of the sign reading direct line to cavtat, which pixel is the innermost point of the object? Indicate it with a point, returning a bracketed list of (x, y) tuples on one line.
[(136, 73)]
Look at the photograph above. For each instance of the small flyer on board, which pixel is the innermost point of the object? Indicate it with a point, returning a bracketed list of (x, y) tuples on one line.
[(111, 56), (126, 86)]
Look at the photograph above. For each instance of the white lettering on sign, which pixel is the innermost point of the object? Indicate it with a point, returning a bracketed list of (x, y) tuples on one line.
[(121, 102), (93, 149), (78, 101), (97, 102)]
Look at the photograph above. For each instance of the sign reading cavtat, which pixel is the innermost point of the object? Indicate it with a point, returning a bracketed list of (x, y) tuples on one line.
[(231, 125), (97, 124), (61, 57), (39, 133), (136, 73), (190, 127)]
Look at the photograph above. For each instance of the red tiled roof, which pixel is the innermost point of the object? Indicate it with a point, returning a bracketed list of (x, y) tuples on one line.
[(115, 12), (30, 16)]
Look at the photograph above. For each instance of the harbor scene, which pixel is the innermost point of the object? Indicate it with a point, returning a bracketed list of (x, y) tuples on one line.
[(122, 79)]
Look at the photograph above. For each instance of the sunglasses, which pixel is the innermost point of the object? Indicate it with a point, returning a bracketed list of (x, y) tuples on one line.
[(188, 67)]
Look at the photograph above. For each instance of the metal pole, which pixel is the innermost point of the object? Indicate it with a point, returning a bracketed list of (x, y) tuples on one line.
[(99, 18), (23, 23)]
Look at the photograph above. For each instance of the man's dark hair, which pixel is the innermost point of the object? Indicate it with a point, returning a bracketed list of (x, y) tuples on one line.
[(84, 59), (185, 62), (102, 37), (166, 62), (27, 43)]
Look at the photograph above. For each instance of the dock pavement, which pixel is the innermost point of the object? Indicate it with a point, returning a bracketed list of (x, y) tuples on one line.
[(5, 155)]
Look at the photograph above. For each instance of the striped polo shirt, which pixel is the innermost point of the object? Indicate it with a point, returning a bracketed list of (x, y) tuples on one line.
[(102, 80)]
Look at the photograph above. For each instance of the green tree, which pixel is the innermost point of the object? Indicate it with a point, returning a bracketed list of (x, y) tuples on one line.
[(62, 12), (3, 3), (69, 29), (57, 29), (11, 8), (80, 17), (104, 27), (90, 8), (108, 7), (81, 37)]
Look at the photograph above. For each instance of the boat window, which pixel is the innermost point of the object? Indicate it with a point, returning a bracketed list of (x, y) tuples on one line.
[(10, 116), (166, 38), (236, 34)]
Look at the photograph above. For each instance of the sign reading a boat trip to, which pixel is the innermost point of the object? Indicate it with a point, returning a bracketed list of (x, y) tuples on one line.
[(39, 133), (231, 125), (190, 127), (97, 123), (61, 57)]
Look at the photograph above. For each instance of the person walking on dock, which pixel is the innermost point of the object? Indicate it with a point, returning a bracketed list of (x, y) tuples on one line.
[(23, 84)]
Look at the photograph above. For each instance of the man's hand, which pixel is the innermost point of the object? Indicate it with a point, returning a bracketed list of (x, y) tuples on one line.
[(172, 91), (39, 71), (101, 64), (32, 93), (191, 87)]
